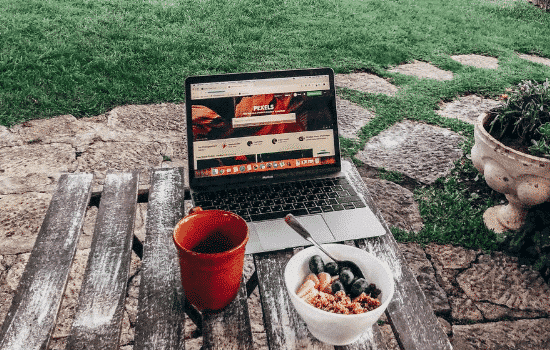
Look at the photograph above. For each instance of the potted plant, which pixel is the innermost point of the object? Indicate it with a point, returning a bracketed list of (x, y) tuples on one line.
[(512, 151)]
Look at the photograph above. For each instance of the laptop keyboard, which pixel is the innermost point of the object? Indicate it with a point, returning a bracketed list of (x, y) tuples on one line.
[(273, 201)]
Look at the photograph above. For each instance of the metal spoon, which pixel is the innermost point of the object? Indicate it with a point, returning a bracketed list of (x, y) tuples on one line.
[(296, 226)]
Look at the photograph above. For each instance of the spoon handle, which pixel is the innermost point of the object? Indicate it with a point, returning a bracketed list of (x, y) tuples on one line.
[(296, 226)]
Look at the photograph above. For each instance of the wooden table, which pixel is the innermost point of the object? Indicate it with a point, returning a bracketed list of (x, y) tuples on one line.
[(160, 320)]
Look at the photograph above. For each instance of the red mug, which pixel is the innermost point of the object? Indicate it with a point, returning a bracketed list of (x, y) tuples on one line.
[(211, 245)]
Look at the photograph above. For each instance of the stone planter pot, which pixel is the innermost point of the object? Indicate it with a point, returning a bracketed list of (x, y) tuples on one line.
[(523, 178)]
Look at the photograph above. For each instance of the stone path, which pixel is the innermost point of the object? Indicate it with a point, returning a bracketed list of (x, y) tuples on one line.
[(484, 301), (423, 70)]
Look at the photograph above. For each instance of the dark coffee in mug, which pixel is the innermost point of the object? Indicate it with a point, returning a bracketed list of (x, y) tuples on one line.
[(217, 242)]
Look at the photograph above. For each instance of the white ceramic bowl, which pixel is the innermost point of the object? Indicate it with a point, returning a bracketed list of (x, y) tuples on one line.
[(328, 327)]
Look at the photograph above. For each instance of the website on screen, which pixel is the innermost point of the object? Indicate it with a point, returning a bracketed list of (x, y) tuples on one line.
[(250, 126)]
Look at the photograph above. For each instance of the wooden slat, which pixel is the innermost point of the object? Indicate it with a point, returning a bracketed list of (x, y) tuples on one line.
[(372, 339), (284, 328), (97, 322), (161, 313), (412, 318), (31, 318), (230, 328)]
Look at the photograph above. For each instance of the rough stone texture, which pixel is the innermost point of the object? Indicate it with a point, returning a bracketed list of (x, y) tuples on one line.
[(448, 262), (351, 118), (425, 275), (21, 217), (451, 257), (516, 335), (464, 310), (493, 312), (447, 279), (61, 129), (447, 327), (85, 240), (11, 269), (8, 139), (499, 280), (467, 108), (477, 61), (423, 70), (365, 82), (396, 204), (131, 302), (389, 338), (163, 117), (34, 167), (34, 154), (535, 59), (69, 302), (140, 221), (422, 152), (102, 156)]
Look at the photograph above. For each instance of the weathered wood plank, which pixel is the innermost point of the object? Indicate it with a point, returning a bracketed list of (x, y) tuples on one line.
[(370, 340), (161, 313), (97, 322), (412, 318), (31, 318), (230, 328), (284, 327)]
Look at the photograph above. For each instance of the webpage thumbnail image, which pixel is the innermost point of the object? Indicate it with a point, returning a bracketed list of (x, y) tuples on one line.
[(266, 114)]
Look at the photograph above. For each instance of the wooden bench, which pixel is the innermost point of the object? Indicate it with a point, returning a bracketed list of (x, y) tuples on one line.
[(161, 310)]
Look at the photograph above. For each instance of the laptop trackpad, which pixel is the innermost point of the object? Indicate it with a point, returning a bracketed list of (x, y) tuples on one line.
[(354, 224), (276, 234)]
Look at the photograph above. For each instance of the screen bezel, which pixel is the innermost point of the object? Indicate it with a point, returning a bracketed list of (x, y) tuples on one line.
[(279, 175)]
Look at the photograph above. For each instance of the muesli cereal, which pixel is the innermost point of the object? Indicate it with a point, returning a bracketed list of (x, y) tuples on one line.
[(328, 293)]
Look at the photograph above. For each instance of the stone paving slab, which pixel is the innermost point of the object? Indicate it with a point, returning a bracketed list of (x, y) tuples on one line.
[(478, 61), (365, 82), (8, 139), (62, 129), (486, 276), (351, 118), (497, 279), (396, 204), (157, 117), (513, 335), (425, 275), (423, 70), (32, 167), (536, 59), (102, 156), (420, 151), (21, 217), (11, 270), (467, 108)]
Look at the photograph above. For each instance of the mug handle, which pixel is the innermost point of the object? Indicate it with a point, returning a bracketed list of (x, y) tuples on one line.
[(195, 210)]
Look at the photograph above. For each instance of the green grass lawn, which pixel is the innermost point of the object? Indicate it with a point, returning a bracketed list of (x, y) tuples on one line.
[(84, 57)]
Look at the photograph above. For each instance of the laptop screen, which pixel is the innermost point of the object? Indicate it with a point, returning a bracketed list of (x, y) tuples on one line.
[(261, 124)]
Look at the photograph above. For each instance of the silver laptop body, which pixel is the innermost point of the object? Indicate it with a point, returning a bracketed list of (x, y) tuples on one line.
[(260, 139)]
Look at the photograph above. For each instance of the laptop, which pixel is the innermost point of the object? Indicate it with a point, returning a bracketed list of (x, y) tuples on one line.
[(265, 144)]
